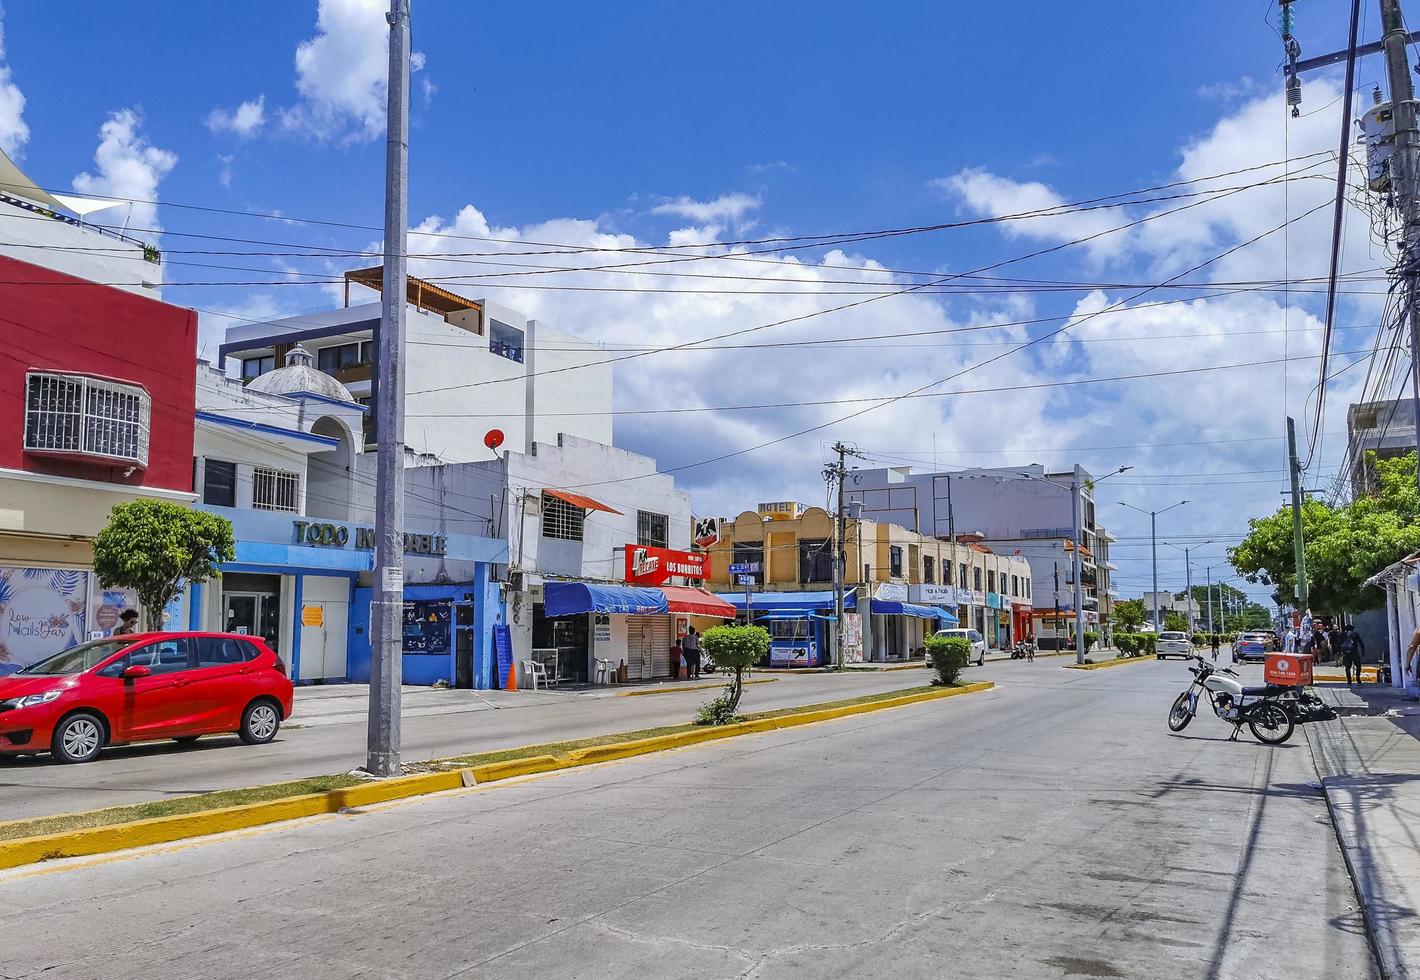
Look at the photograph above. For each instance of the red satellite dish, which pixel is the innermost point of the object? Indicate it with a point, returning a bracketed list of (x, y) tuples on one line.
[(493, 439)]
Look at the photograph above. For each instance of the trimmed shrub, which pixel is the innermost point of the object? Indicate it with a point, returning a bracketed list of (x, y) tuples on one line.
[(1091, 638), (734, 649), (950, 655)]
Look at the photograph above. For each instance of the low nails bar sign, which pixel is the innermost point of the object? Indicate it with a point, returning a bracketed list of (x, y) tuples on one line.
[(646, 565)]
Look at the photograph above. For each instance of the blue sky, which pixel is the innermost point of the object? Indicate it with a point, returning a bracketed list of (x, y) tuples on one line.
[(575, 123)]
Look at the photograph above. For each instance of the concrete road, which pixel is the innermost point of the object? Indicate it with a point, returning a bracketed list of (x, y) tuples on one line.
[(1053, 828), (329, 736)]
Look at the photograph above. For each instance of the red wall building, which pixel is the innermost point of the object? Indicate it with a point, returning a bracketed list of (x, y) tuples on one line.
[(53, 322)]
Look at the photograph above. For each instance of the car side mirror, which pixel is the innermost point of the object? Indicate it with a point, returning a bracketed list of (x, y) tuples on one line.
[(134, 672)]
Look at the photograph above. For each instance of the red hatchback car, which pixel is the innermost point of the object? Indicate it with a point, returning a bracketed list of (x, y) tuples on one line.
[(142, 688)]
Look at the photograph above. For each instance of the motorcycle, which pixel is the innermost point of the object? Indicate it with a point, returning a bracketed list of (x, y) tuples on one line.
[(1257, 707), (1024, 650)]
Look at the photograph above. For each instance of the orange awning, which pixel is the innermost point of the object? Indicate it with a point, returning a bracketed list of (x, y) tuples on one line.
[(697, 602), (577, 500)]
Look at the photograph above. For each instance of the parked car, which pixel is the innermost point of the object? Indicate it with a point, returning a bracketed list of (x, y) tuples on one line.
[(1251, 648), (1173, 643), (978, 644), (143, 688)]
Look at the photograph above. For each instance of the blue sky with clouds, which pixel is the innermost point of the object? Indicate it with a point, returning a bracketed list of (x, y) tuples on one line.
[(647, 124)]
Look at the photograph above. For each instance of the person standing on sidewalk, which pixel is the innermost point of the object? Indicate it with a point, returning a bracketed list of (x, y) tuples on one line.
[(1353, 651), (691, 647)]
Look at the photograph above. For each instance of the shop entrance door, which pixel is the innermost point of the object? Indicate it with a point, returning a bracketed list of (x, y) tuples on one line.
[(251, 604), (463, 645)]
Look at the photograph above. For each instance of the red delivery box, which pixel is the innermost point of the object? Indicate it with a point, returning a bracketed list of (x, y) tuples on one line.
[(1290, 669)]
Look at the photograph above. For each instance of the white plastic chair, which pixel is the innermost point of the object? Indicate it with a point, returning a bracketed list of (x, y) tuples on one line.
[(534, 671), (605, 673)]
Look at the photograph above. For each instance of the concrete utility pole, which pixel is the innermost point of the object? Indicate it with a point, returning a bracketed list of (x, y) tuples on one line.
[(1209, 587), (1299, 553), (1057, 604), (1077, 518), (387, 609), (838, 471)]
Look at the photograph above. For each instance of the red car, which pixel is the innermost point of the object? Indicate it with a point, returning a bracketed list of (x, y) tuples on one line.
[(141, 688)]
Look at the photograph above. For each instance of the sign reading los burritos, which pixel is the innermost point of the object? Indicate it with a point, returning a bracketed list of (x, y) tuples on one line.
[(646, 565), (338, 536)]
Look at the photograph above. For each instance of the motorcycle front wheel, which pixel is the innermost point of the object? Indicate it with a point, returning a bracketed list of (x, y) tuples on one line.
[(1270, 723), (1179, 715)]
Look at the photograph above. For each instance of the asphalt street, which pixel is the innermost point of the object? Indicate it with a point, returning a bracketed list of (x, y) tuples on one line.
[(329, 736), (1051, 828)]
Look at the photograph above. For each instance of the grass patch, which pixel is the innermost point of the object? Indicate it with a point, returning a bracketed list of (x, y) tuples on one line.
[(112, 816)]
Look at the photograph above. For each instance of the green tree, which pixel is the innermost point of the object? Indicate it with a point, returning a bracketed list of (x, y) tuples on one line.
[(734, 649), (153, 547), (1130, 614), (1175, 620), (1344, 545)]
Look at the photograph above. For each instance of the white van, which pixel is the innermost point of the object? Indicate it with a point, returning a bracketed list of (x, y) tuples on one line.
[(978, 645)]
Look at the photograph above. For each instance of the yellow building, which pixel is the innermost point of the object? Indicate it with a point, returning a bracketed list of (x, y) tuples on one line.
[(903, 579)]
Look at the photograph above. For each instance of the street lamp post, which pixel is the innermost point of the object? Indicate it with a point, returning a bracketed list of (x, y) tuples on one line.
[(1154, 547), (1188, 580)]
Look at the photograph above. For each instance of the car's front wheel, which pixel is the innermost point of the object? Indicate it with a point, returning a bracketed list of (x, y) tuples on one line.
[(78, 738), (260, 723)]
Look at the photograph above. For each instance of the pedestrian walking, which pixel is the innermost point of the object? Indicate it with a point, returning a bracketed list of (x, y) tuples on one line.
[(680, 667), (1215, 641), (691, 646), (1353, 652), (127, 623), (1408, 666)]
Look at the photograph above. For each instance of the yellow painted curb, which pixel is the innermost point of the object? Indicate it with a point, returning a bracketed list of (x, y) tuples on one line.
[(1116, 662), (164, 830), (642, 692)]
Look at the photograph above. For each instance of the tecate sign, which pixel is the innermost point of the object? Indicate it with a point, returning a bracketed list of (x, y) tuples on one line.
[(646, 565)]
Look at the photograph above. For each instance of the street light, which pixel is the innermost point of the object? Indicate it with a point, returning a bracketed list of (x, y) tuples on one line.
[(1188, 580), (1154, 547), (1077, 531)]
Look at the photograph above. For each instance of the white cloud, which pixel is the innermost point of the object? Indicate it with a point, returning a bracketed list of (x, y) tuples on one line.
[(342, 73), (14, 133), (128, 167), (243, 122), (224, 172), (985, 194), (1224, 91), (726, 207)]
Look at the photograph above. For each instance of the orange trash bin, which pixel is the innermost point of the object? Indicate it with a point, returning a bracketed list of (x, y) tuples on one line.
[(1289, 669)]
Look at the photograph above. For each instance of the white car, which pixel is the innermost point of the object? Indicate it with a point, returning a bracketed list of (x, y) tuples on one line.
[(978, 645), (1173, 643)]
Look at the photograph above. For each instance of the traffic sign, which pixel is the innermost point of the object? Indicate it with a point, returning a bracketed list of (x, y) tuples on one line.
[(744, 568), (746, 579)]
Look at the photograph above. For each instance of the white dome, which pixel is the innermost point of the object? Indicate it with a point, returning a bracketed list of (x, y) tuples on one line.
[(298, 377)]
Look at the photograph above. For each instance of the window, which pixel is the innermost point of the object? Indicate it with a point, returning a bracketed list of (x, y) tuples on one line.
[(217, 651), (275, 490), (560, 519), (867, 572), (946, 572), (506, 341), (750, 552), (990, 581), (1026, 581), (815, 560), (367, 424), (255, 367), (1015, 585), (163, 657), (962, 579), (219, 483), (976, 579), (332, 359), (651, 529), (895, 561), (71, 413), (929, 572)]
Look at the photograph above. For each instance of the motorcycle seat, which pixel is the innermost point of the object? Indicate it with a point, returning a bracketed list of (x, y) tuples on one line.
[(1263, 691)]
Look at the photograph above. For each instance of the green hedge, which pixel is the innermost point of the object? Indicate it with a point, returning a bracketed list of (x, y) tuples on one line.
[(1136, 644), (950, 654)]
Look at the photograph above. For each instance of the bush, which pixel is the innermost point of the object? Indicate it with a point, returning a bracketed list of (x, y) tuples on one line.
[(1091, 638), (950, 655), (1135, 644), (734, 649)]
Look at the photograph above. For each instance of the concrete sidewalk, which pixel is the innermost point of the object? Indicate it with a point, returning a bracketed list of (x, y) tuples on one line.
[(1369, 763)]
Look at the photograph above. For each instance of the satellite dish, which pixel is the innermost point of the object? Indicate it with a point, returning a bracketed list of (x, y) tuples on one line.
[(493, 439)]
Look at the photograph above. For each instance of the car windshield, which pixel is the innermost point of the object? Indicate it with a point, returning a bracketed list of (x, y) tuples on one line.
[(1172, 636), (76, 659)]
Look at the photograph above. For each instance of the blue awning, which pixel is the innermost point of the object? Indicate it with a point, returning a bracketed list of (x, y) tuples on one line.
[(945, 617), (801, 602), (574, 598), (887, 607)]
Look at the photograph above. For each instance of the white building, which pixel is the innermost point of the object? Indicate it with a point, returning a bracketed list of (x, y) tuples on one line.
[(470, 367)]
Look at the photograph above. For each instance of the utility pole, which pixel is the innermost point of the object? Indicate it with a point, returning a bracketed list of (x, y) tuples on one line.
[(1299, 553), (1210, 598), (838, 471), (1057, 604), (1077, 518), (387, 609), (1222, 608)]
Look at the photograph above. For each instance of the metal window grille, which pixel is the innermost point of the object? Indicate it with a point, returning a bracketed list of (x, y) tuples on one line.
[(275, 490), (70, 413), (928, 571), (651, 529), (560, 519)]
